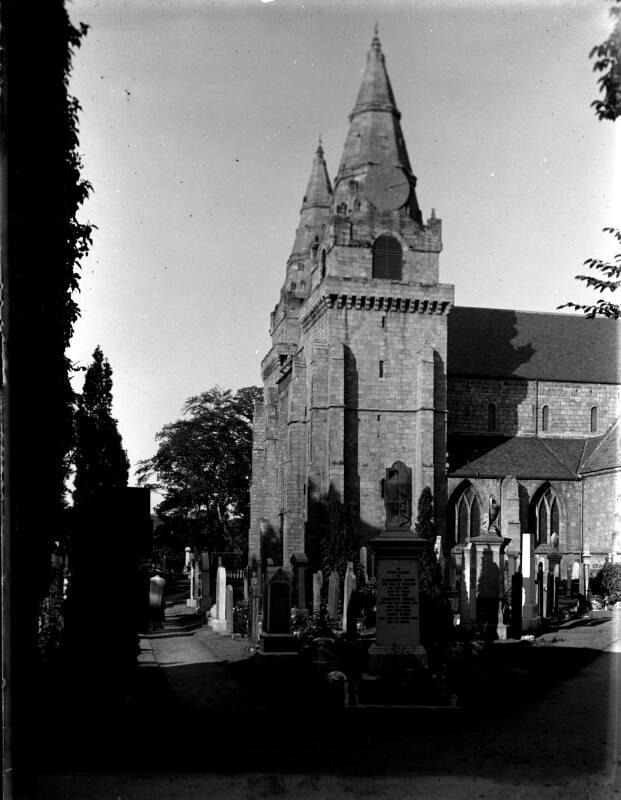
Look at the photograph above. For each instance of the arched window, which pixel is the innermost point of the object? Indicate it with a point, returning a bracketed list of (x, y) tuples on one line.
[(544, 515), (466, 515), (387, 258), (323, 263), (491, 417), (594, 419), (545, 418)]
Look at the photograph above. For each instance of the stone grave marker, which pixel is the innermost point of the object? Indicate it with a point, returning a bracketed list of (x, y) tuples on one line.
[(229, 609), (364, 564), (334, 594), (299, 566), (218, 623), (276, 636), (348, 587), (317, 586)]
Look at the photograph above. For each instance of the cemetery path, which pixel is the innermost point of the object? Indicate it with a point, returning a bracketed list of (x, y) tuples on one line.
[(212, 722)]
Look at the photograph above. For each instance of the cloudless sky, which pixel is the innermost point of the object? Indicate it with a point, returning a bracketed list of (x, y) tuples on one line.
[(200, 120)]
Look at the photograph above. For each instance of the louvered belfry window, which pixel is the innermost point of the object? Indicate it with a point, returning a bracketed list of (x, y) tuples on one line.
[(387, 258)]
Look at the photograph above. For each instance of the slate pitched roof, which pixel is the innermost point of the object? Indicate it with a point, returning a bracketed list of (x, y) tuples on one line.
[(522, 456), (500, 343), (549, 458), (605, 453)]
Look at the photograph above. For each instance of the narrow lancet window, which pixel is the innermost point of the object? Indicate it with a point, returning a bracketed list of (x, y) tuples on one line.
[(491, 417)]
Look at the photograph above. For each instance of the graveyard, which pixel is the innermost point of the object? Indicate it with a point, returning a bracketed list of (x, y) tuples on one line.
[(208, 701)]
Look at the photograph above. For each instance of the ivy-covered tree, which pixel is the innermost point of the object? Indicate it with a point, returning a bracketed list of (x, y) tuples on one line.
[(203, 467), (43, 190), (100, 460)]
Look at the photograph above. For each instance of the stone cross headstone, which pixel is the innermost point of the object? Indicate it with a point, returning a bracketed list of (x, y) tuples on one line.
[(317, 585), (229, 609), (334, 594), (348, 587)]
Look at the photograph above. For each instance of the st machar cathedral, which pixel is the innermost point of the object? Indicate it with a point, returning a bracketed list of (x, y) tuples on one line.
[(372, 363)]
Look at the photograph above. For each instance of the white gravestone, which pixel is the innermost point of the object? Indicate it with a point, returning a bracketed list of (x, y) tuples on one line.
[(219, 623)]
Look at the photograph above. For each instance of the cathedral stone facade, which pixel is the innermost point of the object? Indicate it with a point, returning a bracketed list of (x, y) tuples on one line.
[(371, 363)]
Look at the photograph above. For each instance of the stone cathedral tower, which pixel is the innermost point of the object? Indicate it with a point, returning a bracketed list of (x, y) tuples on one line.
[(356, 375)]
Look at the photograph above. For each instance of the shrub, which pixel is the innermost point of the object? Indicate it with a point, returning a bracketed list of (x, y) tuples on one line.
[(240, 618), (607, 582)]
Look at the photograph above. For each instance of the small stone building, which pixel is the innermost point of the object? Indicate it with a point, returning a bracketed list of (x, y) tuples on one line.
[(371, 363)]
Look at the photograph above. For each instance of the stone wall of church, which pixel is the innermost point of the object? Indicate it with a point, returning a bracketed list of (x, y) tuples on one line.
[(569, 497), (602, 515), (519, 404), (469, 399), (570, 406), (376, 416)]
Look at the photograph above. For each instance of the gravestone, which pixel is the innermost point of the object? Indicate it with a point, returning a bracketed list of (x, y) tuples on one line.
[(575, 578), (398, 552), (193, 600), (501, 627), (317, 586), (334, 594), (530, 611), (276, 635), (218, 623), (363, 564), (253, 610), (187, 559), (299, 566), (348, 587), (205, 588), (229, 609)]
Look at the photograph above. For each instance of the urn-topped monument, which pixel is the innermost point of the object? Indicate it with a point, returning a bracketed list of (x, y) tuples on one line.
[(398, 551)]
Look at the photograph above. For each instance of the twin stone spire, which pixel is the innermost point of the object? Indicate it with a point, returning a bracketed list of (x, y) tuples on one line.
[(374, 138)]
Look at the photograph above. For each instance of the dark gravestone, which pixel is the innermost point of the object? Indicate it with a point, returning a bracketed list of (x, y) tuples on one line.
[(279, 603), (550, 608), (540, 579), (276, 636), (516, 605), (299, 566)]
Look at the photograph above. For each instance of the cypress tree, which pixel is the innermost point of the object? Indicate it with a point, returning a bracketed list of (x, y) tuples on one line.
[(100, 460)]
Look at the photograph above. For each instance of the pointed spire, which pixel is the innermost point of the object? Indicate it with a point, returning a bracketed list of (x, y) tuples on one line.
[(375, 135), (319, 190), (315, 206), (375, 91)]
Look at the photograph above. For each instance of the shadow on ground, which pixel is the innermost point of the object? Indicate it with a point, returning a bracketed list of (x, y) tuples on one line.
[(522, 715)]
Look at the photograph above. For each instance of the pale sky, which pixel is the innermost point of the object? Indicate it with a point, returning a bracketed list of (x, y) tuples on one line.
[(199, 124)]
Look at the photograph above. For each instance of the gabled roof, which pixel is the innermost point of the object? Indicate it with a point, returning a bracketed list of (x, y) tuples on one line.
[(499, 343), (605, 452), (522, 456), (549, 458)]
